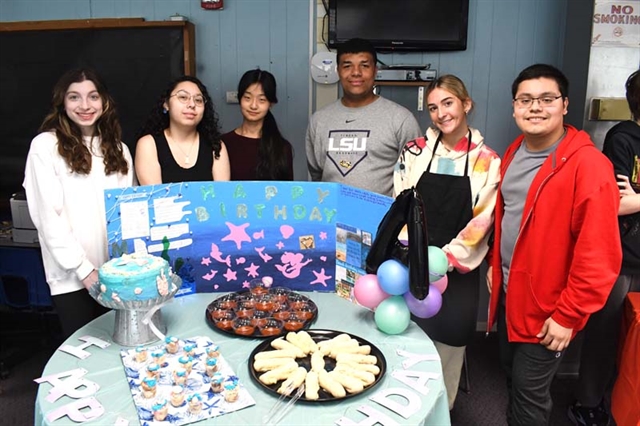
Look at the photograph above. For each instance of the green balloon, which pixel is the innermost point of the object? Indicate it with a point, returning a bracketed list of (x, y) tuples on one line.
[(438, 263), (392, 315)]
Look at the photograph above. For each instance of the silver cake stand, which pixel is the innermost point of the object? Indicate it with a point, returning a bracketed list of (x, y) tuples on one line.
[(129, 327)]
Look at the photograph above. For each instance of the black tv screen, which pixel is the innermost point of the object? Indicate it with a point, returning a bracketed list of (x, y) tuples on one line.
[(400, 25)]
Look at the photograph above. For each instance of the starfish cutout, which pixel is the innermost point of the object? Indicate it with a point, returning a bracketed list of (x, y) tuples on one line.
[(252, 270), (321, 278), (237, 234), (246, 284), (205, 261), (280, 245), (323, 235), (230, 275)]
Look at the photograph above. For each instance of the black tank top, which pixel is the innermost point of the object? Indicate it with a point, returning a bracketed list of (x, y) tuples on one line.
[(172, 172)]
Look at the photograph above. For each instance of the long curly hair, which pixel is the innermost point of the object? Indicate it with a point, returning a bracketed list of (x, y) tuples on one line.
[(107, 127), (272, 152), (208, 128)]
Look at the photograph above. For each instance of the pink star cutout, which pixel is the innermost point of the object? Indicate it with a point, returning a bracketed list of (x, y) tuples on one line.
[(205, 261), (237, 234), (252, 270), (280, 245), (321, 278), (245, 284), (230, 275), (323, 235)]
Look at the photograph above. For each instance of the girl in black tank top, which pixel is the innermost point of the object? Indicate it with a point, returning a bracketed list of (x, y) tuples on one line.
[(181, 140)]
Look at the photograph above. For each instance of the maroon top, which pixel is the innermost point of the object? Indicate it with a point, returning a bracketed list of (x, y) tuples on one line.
[(243, 156)]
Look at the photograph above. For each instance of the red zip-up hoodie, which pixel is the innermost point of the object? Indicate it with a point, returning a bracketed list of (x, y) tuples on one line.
[(567, 255)]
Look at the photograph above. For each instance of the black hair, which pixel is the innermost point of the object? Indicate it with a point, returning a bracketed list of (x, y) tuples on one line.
[(633, 94), (536, 71), (208, 128), (357, 45), (273, 158)]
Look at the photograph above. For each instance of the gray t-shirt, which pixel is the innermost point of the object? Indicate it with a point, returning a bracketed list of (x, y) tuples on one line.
[(359, 146), (515, 186)]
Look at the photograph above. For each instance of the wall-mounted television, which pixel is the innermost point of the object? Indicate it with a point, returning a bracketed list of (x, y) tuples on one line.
[(401, 25)]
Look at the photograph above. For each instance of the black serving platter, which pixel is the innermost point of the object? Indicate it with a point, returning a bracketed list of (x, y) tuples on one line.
[(330, 363), (210, 313)]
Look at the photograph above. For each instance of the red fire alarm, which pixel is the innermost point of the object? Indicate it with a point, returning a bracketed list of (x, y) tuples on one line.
[(212, 4)]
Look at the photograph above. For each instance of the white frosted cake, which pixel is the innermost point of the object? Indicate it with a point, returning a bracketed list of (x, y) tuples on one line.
[(137, 276)]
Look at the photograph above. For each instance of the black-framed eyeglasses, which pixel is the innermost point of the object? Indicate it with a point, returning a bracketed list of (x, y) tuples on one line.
[(184, 97), (544, 101)]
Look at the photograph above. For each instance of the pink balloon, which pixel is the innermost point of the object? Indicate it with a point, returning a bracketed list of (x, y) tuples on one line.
[(441, 284), (367, 291)]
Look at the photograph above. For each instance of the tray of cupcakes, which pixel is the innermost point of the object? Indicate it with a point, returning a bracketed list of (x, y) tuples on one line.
[(181, 381), (263, 311), (331, 365)]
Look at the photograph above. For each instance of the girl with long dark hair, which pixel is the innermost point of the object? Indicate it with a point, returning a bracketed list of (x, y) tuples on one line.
[(180, 141), (257, 149)]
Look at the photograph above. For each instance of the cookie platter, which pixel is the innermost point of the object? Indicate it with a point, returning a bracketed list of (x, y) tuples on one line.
[(261, 312), (331, 364)]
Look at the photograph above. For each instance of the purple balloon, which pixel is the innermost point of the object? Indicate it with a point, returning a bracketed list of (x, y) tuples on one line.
[(367, 291), (441, 284), (424, 308)]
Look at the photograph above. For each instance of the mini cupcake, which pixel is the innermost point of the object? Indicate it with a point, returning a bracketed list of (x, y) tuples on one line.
[(195, 403), (211, 367), (231, 391), (216, 383), (141, 354), (180, 376), (148, 387), (160, 410), (172, 344), (186, 362), (159, 357), (177, 396), (153, 371), (213, 351), (189, 350)]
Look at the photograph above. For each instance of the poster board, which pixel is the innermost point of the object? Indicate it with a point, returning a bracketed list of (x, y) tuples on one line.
[(218, 236)]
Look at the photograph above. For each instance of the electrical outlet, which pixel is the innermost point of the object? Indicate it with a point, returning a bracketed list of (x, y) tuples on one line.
[(232, 97)]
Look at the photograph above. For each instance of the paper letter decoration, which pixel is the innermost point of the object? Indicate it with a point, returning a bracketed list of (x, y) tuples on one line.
[(420, 384), (413, 401), (74, 386), (415, 358), (373, 417), (79, 352), (73, 411)]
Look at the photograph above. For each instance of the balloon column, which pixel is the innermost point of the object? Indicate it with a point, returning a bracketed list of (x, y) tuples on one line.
[(388, 294)]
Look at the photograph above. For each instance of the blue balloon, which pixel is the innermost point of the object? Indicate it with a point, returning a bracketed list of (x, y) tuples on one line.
[(393, 277)]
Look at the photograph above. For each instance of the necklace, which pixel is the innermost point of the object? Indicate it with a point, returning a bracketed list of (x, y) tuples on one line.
[(186, 154)]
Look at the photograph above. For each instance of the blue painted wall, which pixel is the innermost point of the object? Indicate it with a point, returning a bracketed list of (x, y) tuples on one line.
[(504, 37)]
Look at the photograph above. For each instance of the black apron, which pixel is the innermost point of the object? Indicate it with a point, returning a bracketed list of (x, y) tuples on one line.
[(448, 207)]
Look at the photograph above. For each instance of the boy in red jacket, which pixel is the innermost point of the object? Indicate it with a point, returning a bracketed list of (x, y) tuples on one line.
[(557, 246)]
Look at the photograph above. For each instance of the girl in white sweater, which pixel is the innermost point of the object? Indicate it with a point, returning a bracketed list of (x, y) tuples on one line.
[(76, 157)]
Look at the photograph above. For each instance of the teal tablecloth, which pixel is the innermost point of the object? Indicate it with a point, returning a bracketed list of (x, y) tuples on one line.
[(185, 317)]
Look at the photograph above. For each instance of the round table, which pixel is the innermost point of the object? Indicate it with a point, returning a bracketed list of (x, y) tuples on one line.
[(185, 317)]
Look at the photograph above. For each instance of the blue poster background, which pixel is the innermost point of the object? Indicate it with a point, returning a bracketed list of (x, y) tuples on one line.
[(218, 236)]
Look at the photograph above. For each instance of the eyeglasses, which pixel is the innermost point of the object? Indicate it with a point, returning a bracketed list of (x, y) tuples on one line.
[(544, 101), (184, 97)]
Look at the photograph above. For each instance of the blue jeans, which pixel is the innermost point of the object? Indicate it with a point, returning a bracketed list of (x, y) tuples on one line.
[(530, 368)]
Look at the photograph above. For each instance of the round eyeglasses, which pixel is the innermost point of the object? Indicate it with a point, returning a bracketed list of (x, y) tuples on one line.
[(184, 97)]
